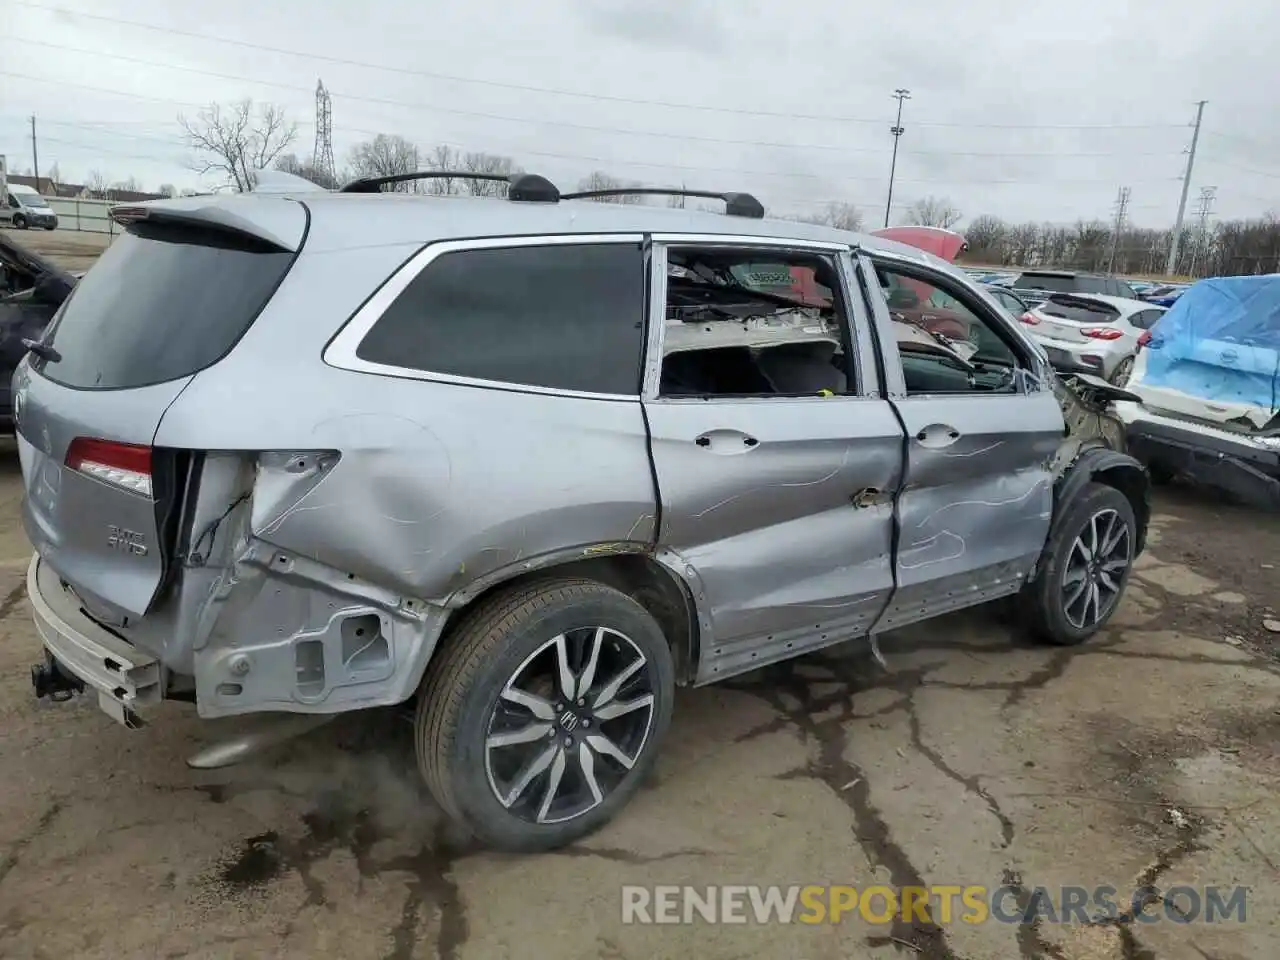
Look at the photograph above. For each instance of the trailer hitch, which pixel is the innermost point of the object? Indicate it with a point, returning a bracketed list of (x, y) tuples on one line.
[(50, 679)]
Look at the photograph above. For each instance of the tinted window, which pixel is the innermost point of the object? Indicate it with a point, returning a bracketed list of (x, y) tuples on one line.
[(1079, 310), (565, 316), (1046, 281), (161, 303), (1090, 285), (1123, 289)]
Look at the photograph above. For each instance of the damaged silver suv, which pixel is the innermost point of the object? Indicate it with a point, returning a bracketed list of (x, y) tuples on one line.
[(529, 464)]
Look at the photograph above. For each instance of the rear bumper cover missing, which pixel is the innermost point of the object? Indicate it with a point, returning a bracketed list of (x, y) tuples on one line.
[(1247, 467), (127, 680)]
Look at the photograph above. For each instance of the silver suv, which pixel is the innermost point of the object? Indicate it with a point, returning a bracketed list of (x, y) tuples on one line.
[(529, 464)]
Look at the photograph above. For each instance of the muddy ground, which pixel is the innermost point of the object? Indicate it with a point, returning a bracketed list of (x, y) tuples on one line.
[(1147, 757)]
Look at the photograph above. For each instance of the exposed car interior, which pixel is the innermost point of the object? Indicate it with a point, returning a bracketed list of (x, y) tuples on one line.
[(735, 327)]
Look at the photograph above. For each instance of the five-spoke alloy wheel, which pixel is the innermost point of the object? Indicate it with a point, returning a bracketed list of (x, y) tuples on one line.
[(542, 713), (1085, 569)]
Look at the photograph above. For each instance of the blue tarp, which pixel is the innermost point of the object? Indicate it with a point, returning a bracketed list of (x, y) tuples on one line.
[(1221, 342)]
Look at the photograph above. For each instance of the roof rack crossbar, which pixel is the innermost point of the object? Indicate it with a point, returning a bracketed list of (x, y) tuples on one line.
[(528, 187), (735, 204)]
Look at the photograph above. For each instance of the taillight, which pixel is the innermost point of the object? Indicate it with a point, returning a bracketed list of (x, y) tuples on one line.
[(123, 465), (1029, 318), (1102, 333), (1144, 338)]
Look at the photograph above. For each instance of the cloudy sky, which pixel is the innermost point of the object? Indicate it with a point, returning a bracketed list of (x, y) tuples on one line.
[(1027, 111)]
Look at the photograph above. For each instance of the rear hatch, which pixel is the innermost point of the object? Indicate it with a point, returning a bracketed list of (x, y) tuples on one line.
[(168, 298), (1076, 319)]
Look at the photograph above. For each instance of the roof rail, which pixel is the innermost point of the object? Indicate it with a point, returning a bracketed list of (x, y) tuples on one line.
[(735, 204), (524, 187)]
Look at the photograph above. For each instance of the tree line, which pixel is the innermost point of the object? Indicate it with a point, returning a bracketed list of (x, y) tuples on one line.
[(235, 139)]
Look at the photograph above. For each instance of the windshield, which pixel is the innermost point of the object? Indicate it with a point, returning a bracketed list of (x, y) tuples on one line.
[(32, 200)]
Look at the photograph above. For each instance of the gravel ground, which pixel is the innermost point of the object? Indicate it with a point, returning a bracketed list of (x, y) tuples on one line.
[(1148, 756)]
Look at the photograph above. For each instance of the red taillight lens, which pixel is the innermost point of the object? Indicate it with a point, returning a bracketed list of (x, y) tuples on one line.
[(123, 465), (1102, 333), (1029, 318), (1144, 338)]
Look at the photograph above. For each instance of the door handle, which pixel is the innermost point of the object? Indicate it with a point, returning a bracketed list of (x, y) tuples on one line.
[(726, 441), (937, 435)]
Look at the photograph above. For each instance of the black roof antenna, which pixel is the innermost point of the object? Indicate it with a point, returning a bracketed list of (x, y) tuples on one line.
[(522, 187), (735, 204)]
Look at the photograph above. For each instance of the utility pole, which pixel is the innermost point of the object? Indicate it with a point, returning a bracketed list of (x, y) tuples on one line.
[(899, 95), (1186, 184), (1204, 207), (35, 153), (1122, 205)]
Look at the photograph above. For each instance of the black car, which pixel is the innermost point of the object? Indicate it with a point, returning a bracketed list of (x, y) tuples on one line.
[(1035, 286), (31, 291)]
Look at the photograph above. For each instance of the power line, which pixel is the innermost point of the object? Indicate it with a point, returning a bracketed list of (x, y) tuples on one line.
[(505, 118), (697, 168), (529, 88)]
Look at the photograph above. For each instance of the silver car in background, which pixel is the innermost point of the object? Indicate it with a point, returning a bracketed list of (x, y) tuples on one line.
[(528, 464), (1097, 332)]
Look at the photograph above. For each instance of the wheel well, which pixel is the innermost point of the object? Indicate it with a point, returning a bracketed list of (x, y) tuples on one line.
[(1134, 483), (640, 577)]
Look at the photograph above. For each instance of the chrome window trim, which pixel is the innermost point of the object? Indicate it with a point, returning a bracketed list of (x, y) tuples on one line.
[(868, 389), (341, 350)]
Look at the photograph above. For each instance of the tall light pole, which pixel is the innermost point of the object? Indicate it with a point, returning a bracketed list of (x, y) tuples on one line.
[(899, 95), (1172, 262)]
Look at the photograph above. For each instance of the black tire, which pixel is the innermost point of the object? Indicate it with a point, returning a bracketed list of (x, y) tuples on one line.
[(460, 697), (19, 222), (1044, 602), (53, 226), (1161, 473), (1123, 371)]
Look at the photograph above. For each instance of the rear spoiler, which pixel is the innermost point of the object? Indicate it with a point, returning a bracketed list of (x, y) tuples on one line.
[(282, 226)]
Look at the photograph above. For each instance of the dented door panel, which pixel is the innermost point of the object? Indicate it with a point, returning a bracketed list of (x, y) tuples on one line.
[(770, 533), (977, 499)]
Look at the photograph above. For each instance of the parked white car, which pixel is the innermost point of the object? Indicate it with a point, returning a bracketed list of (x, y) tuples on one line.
[(1096, 331)]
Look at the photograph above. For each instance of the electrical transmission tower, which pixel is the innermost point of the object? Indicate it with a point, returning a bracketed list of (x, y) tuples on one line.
[(1122, 208), (1204, 209), (322, 155)]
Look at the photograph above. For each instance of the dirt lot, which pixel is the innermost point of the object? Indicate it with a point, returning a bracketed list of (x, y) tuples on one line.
[(1149, 756), (73, 250)]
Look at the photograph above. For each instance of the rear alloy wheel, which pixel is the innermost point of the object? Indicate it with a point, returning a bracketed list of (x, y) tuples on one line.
[(1086, 567), (544, 713), (1121, 375)]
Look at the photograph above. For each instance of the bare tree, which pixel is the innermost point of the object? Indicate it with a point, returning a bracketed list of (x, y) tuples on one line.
[(54, 176), (443, 157), (307, 169), (236, 139), (128, 185), (842, 216), (933, 212), (95, 184), (168, 189), (490, 164), (386, 155), (598, 180), (986, 235)]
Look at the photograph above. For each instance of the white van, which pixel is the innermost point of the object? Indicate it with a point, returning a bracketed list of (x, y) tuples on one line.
[(24, 207)]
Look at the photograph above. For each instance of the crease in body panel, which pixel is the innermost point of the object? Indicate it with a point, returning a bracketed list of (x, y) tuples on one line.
[(787, 484), (921, 544), (984, 503)]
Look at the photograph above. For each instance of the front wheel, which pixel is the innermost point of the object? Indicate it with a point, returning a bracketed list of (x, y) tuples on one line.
[(19, 222), (1087, 562), (543, 714)]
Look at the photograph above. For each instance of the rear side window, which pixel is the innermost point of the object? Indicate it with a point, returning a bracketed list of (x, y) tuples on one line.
[(561, 316), (163, 302), (1079, 310)]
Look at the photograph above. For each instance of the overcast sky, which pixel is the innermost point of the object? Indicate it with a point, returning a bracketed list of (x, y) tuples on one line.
[(1033, 111)]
